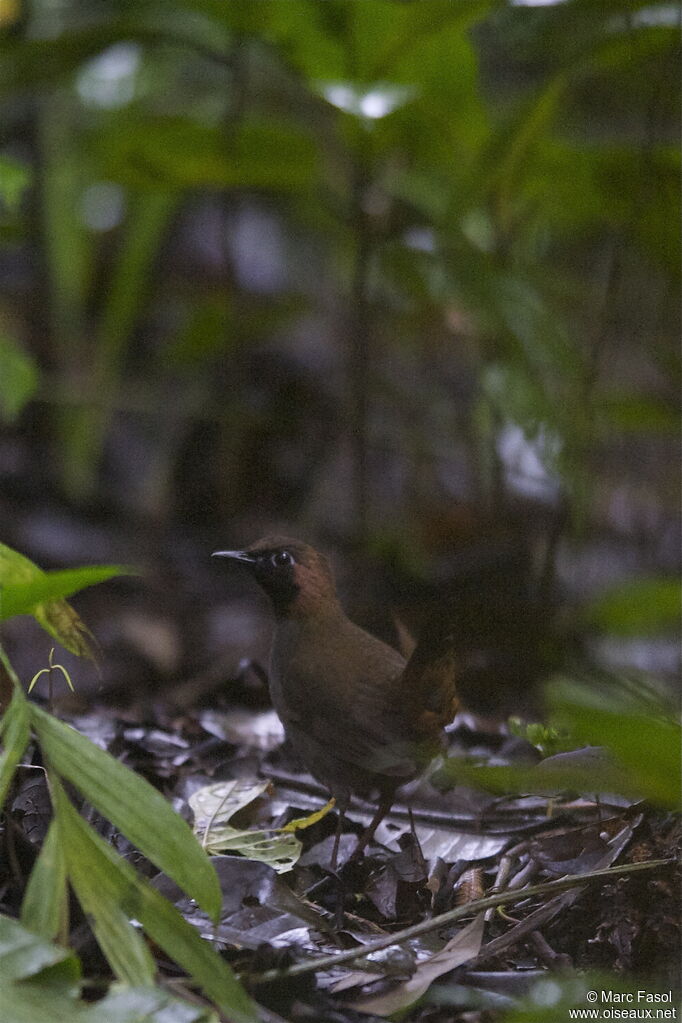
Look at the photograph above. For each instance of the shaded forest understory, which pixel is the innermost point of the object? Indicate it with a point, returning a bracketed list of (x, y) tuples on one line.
[(400, 279)]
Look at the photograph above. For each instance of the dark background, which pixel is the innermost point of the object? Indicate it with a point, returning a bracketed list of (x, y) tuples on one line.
[(397, 278)]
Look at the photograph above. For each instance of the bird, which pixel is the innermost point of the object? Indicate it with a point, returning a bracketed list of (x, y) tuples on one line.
[(361, 718)]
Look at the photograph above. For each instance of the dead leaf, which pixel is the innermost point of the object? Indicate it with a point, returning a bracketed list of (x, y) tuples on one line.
[(464, 946), (215, 805)]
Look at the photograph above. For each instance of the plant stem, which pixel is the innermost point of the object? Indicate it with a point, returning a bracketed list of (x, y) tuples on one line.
[(499, 899)]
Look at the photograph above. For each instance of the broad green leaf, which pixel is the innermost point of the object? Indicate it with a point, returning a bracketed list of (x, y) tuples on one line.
[(31, 62), (214, 805), (133, 806), (14, 731), (647, 747), (18, 378), (45, 905), (540, 780), (163, 923), (108, 907), (640, 607), (177, 153)]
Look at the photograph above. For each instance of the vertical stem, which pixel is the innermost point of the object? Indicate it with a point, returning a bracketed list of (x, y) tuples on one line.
[(9, 680), (232, 371), (359, 351)]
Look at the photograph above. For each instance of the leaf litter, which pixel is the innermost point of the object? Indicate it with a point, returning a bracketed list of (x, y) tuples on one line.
[(278, 894)]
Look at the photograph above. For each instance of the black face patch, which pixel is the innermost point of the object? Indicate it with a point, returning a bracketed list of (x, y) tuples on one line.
[(275, 571)]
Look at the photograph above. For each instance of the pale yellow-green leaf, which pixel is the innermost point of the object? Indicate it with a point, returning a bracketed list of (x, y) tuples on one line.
[(215, 805), (27, 589), (281, 851)]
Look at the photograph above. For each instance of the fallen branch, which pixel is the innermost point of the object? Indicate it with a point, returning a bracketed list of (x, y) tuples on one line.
[(499, 899)]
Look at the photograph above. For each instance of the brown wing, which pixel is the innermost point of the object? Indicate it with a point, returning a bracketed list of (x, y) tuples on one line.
[(344, 713)]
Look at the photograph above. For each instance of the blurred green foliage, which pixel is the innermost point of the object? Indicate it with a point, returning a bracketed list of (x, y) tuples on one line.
[(489, 184)]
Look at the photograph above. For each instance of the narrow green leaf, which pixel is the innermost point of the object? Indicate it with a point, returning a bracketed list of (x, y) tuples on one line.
[(18, 377), (541, 779), (15, 178), (125, 295), (133, 806), (22, 598), (640, 607), (14, 729), (45, 905), (39, 984), (24, 956), (161, 920), (108, 903), (26, 589)]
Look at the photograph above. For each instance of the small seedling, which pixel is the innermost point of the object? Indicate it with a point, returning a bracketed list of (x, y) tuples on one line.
[(49, 671)]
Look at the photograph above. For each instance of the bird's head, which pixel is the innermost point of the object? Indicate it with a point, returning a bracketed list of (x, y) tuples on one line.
[(296, 577)]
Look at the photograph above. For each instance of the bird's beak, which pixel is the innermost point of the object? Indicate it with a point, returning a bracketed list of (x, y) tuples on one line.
[(242, 556)]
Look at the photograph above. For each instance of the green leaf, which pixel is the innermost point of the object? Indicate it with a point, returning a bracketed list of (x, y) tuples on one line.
[(638, 413), (108, 905), (15, 177), (161, 920), (582, 774), (647, 747), (27, 589), (125, 296), (39, 984), (25, 956), (133, 806), (14, 730), (18, 378), (45, 907), (641, 607), (177, 153), (22, 598)]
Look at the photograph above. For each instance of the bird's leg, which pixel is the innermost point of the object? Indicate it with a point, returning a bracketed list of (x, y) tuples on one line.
[(384, 806), (342, 806)]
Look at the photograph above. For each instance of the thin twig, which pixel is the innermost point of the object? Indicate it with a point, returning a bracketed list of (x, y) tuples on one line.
[(547, 888), (523, 928)]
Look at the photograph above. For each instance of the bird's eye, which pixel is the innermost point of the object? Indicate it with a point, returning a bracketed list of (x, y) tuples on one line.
[(280, 558)]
